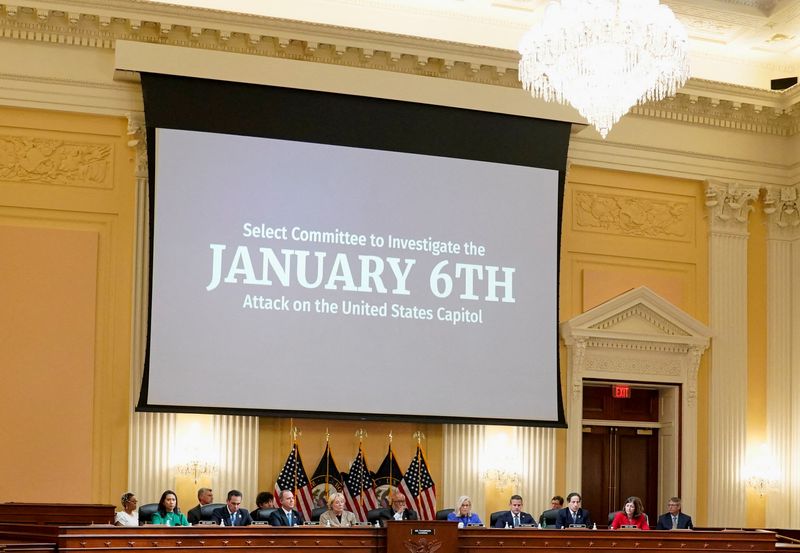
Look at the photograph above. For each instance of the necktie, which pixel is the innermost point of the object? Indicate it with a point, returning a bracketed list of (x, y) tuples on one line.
[(289, 518), (516, 521), (575, 517), (233, 519), (674, 522)]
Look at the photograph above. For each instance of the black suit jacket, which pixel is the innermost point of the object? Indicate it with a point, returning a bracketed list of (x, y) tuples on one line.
[(564, 518), (665, 522), (388, 514), (508, 518), (193, 516), (222, 516), (279, 518)]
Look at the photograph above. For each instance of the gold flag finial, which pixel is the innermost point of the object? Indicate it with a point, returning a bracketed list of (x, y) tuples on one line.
[(419, 436), (294, 433), (361, 434), (327, 435), (390, 437)]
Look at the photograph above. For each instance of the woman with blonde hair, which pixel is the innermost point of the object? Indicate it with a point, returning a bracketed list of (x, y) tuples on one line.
[(463, 513), (336, 515)]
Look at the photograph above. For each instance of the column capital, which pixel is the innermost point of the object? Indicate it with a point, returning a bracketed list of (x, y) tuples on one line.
[(729, 205), (137, 139), (783, 212)]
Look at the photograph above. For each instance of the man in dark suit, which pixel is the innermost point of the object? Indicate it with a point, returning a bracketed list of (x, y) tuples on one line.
[(573, 514), (674, 519), (232, 514), (397, 510), (286, 514), (514, 517), (204, 496)]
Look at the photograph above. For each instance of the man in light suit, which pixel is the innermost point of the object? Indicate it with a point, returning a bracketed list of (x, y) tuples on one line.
[(573, 514), (232, 514), (514, 517), (286, 514), (674, 519)]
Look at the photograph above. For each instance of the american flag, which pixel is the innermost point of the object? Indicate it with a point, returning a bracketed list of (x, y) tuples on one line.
[(359, 488), (293, 477), (418, 487), (387, 477)]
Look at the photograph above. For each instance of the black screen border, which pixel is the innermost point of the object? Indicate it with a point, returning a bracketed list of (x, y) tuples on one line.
[(205, 105)]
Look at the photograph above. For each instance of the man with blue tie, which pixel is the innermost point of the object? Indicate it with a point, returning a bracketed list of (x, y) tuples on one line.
[(514, 517), (573, 515), (286, 515), (232, 514)]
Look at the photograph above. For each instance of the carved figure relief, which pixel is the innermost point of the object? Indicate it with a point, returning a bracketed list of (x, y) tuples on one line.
[(423, 545), (46, 161), (631, 216)]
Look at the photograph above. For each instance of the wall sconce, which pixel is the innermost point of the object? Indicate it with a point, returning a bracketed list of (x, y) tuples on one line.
[(500, 461), (503, 479), (760, 471), (194, 453), (196, 468)]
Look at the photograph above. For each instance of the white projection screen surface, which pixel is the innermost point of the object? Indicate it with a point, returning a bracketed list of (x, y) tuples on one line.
[(317, 279)]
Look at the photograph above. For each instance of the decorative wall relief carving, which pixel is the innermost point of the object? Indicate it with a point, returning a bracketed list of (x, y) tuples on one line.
[(783, 211), (47, 161), (641, 313), (636, 368), (631, 216), (730, 205)]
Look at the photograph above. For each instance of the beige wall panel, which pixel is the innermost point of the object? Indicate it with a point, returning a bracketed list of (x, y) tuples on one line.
[(70, 173), (47, 329)]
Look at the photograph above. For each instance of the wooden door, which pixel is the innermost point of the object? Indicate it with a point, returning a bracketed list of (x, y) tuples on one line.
[(619, 462)]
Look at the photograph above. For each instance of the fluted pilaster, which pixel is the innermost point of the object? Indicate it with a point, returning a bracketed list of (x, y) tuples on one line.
[(783, 233), (236, 439), (462, 445), (537, 449), (729, 207)]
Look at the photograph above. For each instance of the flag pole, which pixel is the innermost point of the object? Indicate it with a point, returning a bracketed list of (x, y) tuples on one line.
[(327, 463), (295, 433), (418, 435), (361, 433), (391, 465)]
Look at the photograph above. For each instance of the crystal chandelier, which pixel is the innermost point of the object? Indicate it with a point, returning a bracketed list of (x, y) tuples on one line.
[(604, 56)]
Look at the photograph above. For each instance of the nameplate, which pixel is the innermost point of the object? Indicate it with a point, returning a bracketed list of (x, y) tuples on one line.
[(528, 525), (577, 526), (207, 523), (629, 527), (423, 532), (359, 523), (311, 523), (476, 524), (261, 522)]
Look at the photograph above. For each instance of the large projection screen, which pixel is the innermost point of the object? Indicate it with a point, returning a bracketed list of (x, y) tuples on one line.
[(348, 265)]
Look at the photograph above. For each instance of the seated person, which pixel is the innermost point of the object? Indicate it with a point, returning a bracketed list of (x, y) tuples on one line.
[(205, 496), (231, 514), (631, 515), (557, 502), (674, 519), (128, 516), (168, 512), (397, 510), (514, 517), (286, 515), (336, 515), (573, 514), (266, 500), (463, 513)]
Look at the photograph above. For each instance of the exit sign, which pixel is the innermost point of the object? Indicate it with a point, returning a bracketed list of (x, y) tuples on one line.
[(619, 391)]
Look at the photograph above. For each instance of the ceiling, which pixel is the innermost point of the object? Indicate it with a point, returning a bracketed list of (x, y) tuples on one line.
[(742, 42)]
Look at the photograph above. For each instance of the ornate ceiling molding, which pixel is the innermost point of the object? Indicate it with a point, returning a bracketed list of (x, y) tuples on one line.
[(99, 24)]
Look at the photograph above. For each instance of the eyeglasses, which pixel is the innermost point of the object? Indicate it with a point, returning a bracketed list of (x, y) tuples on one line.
[(133, 500)]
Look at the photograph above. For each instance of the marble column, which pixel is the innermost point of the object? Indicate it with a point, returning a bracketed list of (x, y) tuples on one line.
[(783, 354), (729, 206)]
